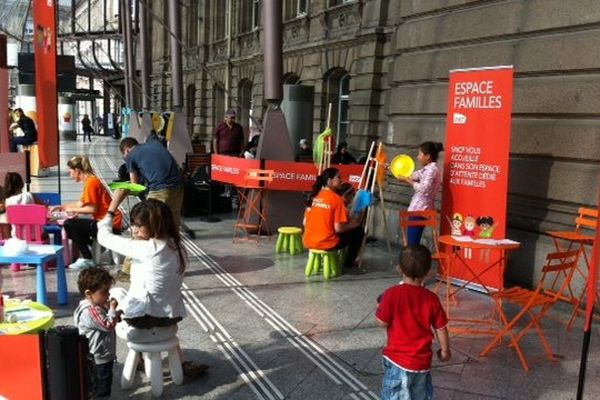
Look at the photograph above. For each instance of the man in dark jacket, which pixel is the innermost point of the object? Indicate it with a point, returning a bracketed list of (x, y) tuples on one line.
[(27, 126)]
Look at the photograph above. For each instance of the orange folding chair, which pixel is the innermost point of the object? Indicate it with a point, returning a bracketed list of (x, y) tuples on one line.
[(534, 304), (252, 209), (427, 219), (583, 235)]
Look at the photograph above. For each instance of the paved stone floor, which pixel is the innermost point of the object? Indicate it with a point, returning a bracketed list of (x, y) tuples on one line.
[(269, 333)]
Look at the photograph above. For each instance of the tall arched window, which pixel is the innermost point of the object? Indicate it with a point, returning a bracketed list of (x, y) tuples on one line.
[(343, 106), (337, 93), (250, 15), (245, 99), (218, 104), (191, 108), (295, 8), (193, 24), (221, 19)]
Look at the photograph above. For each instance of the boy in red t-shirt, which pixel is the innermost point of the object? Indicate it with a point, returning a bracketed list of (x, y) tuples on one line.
[(409, 312)]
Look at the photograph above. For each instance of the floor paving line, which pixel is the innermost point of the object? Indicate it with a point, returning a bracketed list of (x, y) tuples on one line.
[(326, 362), (227, 338), (345, 375), (233, 353), (191, 308)]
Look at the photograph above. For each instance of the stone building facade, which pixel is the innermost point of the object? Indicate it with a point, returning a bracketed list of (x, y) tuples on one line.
[(384, 64)]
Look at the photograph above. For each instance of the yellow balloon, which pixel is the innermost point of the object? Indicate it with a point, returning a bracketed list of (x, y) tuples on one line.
[(402, 165)]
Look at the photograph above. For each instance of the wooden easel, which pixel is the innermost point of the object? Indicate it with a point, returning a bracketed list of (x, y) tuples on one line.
[(367, 182)]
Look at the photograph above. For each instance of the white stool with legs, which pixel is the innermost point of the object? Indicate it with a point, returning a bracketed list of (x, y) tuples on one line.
[(150, 344), (153, 363)]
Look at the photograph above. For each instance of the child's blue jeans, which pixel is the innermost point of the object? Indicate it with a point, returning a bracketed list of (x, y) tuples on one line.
[(399, 384), (105, 377), (414, 233)]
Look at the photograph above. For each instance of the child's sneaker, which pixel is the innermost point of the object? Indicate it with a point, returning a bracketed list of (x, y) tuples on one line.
[(82, 263)]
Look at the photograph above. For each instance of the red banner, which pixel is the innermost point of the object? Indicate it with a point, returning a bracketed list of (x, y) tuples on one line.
[(299, 176), (231, 169), (475, 180), (291, 176), (44, 21)]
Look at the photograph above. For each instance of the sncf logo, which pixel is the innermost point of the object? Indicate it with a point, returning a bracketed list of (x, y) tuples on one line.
[(354, 178), (459, 118)]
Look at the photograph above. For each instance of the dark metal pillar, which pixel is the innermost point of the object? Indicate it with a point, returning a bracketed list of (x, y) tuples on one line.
[(144, 53), (285, 208), (176, 65), (130, 57), (128, 46), (106, 93), (123, 10), (89, 16), (273, 62)]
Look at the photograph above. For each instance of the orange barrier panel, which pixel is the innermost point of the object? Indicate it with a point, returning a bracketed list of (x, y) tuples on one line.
[(21, 367), (288, 175)]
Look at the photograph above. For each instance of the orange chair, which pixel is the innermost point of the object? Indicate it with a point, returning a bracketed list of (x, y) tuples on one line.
[(584, 234), (586, 220), (252, 209), (533, 303), (427, 219), (28, 221)]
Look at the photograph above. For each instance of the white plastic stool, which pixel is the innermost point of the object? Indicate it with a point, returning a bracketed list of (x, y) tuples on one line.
[(153, 363)]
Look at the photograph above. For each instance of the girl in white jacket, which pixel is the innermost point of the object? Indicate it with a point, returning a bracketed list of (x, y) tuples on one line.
[(154, 299)]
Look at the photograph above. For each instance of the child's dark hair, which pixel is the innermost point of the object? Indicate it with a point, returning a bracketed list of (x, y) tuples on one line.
[(345, 188), (415, 261), (157, 217), (13, 184), (93, 279), (485, 220), (431, 149), (342, 145), (321, 182)]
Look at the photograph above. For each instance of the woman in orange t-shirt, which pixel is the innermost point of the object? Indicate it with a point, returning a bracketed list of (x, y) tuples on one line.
[(94, 202), (326, 222)]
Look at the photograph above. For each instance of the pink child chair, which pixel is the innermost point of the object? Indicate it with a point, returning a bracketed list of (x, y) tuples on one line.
[(28, 221)]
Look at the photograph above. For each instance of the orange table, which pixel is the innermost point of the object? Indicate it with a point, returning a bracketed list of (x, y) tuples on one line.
[(478, 244), (474, 280)]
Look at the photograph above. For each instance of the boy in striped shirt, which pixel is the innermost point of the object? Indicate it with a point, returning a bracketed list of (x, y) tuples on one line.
[(96, 318)]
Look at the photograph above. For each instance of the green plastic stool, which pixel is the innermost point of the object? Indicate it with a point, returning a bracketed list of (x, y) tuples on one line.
[(329, 259), (289, 239)]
